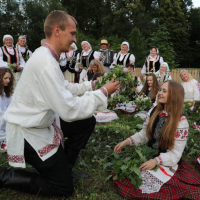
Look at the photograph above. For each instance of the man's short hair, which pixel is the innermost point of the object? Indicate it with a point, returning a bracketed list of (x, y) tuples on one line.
[(56, 17)]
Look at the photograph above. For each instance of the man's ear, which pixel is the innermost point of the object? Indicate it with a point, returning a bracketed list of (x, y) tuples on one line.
[(56, 30)]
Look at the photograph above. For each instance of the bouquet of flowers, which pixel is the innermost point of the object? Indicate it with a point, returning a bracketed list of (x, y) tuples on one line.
[(12, 66), (143, 102), (127, 82), (68, 59)]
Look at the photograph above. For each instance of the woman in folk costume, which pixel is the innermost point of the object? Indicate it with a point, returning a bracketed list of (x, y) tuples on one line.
[(68, 62), (123, 57), (163, 73), (10, 55), (165, 129), (190, 85), (84, 59), (152, 62), (6, 90), (23, 48)]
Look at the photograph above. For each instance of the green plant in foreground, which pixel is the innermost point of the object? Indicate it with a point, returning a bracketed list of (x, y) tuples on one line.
[(126, 164)]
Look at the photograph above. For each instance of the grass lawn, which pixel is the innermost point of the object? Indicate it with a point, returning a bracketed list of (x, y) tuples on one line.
[(97, 153)]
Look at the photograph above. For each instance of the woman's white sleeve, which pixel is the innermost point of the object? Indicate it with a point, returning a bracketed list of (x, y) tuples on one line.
[(140, 138), (172, 157)]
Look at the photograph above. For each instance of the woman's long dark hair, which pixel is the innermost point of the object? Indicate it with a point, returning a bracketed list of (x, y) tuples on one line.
[(155, 87), (9, 88)]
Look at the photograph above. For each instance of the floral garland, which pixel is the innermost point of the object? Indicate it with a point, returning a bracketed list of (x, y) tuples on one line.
[(127, 82)]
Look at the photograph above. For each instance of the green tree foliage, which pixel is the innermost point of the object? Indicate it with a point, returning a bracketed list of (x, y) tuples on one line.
[(35, 13), (171, 14), (161, 39), (11, 18), (138, 46), (88, 15), (195, 37)]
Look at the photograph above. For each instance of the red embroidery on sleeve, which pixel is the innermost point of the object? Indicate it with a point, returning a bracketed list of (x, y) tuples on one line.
[(132, 142)]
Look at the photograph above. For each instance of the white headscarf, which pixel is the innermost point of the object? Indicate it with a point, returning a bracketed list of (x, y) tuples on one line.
[(167, 70), (74, 46), (88, 44), (157, 51), (7, 36), (22, 37), (166, 65), (127, 44)]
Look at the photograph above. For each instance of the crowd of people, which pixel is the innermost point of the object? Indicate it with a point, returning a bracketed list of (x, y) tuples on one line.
[(55, 99)]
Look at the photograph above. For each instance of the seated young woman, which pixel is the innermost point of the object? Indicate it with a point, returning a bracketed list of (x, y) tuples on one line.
[(6, 90), (190, 86), (151, 87), (165, 129)]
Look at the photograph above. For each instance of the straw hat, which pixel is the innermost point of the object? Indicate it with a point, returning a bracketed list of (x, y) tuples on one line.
[(104, 42)]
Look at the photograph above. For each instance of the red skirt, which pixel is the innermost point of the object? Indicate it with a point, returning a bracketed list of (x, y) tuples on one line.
[(185, 183)]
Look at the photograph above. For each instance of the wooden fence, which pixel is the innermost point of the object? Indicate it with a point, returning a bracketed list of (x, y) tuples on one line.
[(175, 73)]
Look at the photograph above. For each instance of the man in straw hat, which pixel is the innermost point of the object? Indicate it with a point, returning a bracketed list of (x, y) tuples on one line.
[(106, 55), (33, 136)]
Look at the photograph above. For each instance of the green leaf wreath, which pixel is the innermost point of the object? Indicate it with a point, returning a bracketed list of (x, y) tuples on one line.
[(127, 83)]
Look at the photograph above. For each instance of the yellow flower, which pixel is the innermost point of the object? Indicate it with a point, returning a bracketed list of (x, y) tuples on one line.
[(197, 111), (190, 104)]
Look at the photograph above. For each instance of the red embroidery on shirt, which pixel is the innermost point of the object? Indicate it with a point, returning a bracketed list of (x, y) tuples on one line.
[(52, 50), (181, 134), (196, 126), (182, 118), (163, 115), (163, 170), (59, 131), (56, 141), (93, 85), (177, 134), (16, 158), (160, 160), (132, 142), (185, 133), (104, 91)]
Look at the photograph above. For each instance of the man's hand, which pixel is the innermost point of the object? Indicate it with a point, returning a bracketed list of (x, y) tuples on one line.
[(112, 86)]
